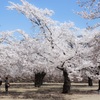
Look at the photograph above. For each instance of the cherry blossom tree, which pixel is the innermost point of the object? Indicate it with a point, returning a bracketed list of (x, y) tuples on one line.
[(95, 44), (91, 10), (59, 48), (9, 56), (90, 43), (91, 7)]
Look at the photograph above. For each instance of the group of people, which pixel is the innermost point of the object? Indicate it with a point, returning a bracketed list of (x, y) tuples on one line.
[(7, 84)]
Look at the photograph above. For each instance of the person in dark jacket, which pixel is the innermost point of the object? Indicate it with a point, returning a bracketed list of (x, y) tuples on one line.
[(6, 84), (0, 83)]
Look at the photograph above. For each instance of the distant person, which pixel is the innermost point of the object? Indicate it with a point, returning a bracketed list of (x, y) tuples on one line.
[(0, 82), (7, 84)]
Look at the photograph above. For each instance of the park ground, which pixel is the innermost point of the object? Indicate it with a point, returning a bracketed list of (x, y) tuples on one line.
[(49, 91)]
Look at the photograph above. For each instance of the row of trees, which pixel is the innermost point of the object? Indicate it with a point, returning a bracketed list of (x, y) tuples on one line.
[(55, 47)]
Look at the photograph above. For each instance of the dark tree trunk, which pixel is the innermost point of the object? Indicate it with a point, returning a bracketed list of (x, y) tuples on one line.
[(39, 79), (99, 85), (67, 82), (90, 83)]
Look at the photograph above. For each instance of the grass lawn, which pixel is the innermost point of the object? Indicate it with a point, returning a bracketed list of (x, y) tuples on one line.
[(49, 91)]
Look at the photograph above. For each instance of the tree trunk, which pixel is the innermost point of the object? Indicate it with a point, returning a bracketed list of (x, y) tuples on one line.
[(90, 83), (39, 78), (99, 85), (67, 83)]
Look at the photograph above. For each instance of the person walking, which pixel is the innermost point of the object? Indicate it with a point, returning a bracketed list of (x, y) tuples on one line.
[(7, 84), (0, 83)]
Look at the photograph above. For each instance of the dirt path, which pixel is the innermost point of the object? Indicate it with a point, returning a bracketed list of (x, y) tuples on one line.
[(49, 91), (83, 97)]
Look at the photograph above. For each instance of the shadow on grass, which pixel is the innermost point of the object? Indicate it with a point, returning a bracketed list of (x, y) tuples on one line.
[(40, 94), (76, 91), (44, 94), (11, 93)]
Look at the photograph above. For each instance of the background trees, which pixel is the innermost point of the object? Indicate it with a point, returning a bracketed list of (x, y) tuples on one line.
[(91, 11)]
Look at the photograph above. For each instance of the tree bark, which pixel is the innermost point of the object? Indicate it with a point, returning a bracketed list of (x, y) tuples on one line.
[(39, 79), (90, 83), (67, 82)]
